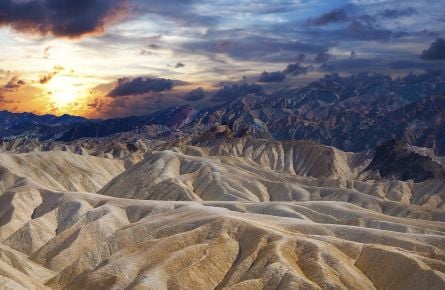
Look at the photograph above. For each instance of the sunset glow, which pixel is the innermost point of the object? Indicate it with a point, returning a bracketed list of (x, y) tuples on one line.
[(63, 90), (198, 44)]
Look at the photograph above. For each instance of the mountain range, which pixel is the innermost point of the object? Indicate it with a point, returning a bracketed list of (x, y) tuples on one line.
[(353, 113)]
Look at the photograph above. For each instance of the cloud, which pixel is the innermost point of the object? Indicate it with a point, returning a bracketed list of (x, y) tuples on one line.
[(156, 37), (353, 54), (146, 52), (334, 16), (46, 53), (204, 33), (154, 46), (353, 65), (66, 18), (272, 77), (296, 69), (3, 100), (229, 92), (14, 84), (97, 103), (436, 50), (140, 85), (195, 95), (377, 64), (357, 24), (58, 68), (396, 13), (118, 103), (414, 65), (363, 29), (322, 57), (179, 65), (293, 69), (255, 47), (301, 57), (47, 77)]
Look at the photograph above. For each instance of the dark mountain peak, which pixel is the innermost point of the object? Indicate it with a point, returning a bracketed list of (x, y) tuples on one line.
[(174, 117), (399, 160), (215, 135), (34, 126)]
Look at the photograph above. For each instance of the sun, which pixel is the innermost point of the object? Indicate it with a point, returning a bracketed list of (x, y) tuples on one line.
[(64, 90)]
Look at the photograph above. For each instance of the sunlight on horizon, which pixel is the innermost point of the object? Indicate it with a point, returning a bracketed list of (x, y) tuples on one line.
[(64, 90)]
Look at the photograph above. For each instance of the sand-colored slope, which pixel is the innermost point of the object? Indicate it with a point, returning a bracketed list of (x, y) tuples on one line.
[(303, 158), (218, 217), (100, 242), (57, 171), (117, 147), (19, 272), (194, 175)]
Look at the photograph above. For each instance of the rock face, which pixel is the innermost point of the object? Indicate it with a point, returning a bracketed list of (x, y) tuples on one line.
[(215, 211), (398, 160), (59, 171), (159, 124), (354, 113)]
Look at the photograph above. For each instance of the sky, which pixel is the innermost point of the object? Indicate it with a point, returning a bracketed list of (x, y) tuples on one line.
[(115, 58)]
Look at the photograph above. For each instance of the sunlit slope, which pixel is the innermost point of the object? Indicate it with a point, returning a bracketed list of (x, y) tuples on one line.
[(272, 171), (57, 171), (247, 214), (94, 242)]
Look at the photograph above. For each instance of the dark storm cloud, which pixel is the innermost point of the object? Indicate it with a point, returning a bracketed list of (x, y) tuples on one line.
[(68, 18), (140, 85), (396, 13), (436, 51), (334, 16), (272, 77), (356, 24), (195, 95), (296, 69), (14, 84), (229, 92)]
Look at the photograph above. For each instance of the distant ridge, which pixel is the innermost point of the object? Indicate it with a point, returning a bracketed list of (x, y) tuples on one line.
[(352, 113)]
